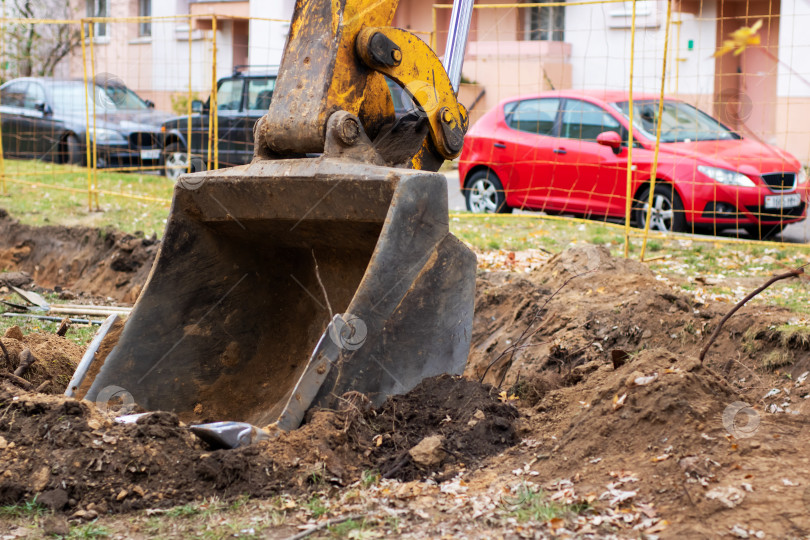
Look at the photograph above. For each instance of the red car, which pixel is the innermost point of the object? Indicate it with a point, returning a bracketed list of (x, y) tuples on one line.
[(566, 152)]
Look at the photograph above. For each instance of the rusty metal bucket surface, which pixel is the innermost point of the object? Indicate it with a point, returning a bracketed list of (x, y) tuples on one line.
[(234, 322)]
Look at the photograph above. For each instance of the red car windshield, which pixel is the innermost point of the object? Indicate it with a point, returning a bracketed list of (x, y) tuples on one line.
[(680, 122)]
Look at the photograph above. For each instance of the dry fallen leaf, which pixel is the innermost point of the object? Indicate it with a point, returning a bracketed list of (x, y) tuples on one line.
[(641, 381)]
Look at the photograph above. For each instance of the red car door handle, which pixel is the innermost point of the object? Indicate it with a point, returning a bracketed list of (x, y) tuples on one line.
[(560, 151), (499, 145)]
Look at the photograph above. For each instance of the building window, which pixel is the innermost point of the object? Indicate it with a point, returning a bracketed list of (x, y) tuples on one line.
[(98, 8), (545, 23), (145, 10)]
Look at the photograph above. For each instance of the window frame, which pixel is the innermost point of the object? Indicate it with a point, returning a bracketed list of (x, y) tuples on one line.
[(24, 85), (564, 109), (623, 132), (242, 94), (100, 29), (555, 129), (144, 10), (33, 84), (248, 81), (553, 33)]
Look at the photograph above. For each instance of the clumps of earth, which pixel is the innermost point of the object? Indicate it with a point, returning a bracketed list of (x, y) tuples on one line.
[(74, 458), (52, 359)]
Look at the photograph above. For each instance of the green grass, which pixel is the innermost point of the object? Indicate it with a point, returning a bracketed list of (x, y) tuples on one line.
[(27, 509), (369, 478), (316, 506), (351, 528), (530, 504), (668, 256), (91, 530), (42, 205)]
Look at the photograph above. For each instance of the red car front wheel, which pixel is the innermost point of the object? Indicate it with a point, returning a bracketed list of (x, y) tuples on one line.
[(667, 209)]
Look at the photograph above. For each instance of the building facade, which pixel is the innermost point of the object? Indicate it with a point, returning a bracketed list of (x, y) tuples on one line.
[(763, 92)]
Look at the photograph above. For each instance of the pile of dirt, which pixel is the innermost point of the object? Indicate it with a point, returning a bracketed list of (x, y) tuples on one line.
[(536, 331), (99, 262), (467, 419), (603, 355), (74, 458), (55, 358)]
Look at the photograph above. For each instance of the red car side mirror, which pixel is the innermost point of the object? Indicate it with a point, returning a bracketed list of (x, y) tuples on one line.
[(610, 139)]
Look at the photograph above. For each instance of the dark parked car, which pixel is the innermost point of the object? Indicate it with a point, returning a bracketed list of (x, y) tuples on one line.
[(44, 118), (242, 99)]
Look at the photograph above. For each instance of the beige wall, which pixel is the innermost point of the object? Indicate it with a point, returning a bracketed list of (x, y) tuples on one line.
[(121, 52), (511, 68), (745, 84), (792, 129)]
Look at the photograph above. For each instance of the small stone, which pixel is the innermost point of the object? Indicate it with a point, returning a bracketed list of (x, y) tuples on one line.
[(14, 333), (121, 495), (55, 525), (40, 479), (429, 451), (139, 490), (15, 279), (3, 443), (85, 515), (479, 414)]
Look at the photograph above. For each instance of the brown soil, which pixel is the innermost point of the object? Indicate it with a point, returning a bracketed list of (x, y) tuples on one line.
[(56, 358), (469, 416), (668, 433), (106, 263), (611, 398), (73, 456)]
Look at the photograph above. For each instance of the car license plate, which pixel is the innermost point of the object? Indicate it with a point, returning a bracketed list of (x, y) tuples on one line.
[(150, 154), (782, 201)]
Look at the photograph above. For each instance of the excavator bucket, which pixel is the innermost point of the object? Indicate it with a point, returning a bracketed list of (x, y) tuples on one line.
[(290, 281)]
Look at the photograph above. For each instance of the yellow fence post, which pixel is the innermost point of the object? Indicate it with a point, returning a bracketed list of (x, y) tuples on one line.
[(434, 39), (654, 170), (3, 188), (93, 101), (629, 194), (190, 95), (87, 134), (212, 109), (215, 105)]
